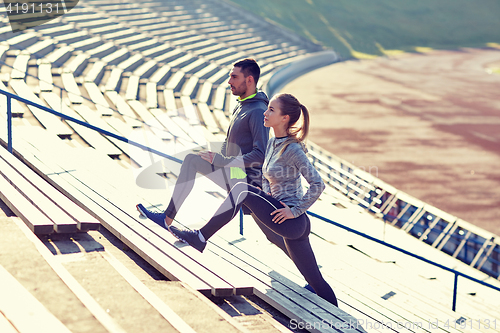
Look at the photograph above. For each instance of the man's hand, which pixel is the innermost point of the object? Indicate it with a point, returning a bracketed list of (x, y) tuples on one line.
[(282, 214), (207, 156)]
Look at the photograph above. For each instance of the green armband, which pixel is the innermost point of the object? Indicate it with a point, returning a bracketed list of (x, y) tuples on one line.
[(237, 173)]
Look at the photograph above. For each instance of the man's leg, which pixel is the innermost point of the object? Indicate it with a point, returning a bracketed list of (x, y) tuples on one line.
[(192, 165)]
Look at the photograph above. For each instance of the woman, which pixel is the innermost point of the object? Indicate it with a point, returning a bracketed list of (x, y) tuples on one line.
[(279, 207)]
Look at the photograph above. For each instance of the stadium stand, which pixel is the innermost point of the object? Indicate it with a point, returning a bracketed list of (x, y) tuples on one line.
[(179, 54)]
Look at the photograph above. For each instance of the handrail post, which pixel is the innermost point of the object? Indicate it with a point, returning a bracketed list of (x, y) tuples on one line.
[(9, 124), (455, 288), (241, 221)]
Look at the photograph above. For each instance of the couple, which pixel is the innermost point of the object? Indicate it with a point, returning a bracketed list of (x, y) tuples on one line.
[(264, 180)]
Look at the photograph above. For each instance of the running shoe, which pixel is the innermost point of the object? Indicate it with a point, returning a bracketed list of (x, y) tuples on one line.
[(190, 237), (158, 218), (308, 287)]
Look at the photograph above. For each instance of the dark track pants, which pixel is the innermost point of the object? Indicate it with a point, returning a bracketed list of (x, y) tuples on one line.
[(292, 236)]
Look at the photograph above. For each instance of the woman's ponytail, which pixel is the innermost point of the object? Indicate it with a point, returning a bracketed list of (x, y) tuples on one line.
[(304, 129), (290, 106)]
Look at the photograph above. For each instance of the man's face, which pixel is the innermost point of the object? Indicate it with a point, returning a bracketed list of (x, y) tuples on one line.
[(237, 82)]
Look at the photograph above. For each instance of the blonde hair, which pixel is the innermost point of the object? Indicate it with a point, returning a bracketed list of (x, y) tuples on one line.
[(290, 106)]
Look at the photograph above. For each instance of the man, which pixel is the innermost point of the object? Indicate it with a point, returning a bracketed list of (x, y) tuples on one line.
[(242, 153)]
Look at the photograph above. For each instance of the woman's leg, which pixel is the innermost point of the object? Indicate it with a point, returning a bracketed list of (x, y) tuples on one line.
[(302, 255), (294, 232), (271, 236), (261, 204)]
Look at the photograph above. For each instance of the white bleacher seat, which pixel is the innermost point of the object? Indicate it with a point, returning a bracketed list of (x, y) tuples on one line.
[(170, 125), (205, 92), (116, 57), (102, 50), (156, 51), (207, 25), (255, 48), (77, 64), (87, 44), (107, 28), (124, 109), (174, 80), (207, 70), (119, 34), (93, 118), (45, 76), (96, 72), (61, 29), (132, 88), (219, 100), (190, 110), (92, 137), (182, 61), (208, 50), (150, 120), (142, 46), (134, 39), (139, 19), (168, 56), (4, 47), (199, 45), (41, 48), (268, 54), (22, 41), (194, 66), (208, 118), (180, 37), (95, 24), (147, 69), (158, 28), (221, 119), (59, 56), (80, 17), (160, 75), (170, 103), (151, 95), (69, 83), (114, 80), (229, 59), (150, 25), (219, 76), (77, 37), (189, 86), (20, 66), (51, 122), (131, 63), (97, 97)]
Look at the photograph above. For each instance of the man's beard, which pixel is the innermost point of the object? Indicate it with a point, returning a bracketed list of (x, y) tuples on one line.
[(239, 91)]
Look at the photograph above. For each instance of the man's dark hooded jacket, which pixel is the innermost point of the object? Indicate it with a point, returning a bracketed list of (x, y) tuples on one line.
[(248, 137)]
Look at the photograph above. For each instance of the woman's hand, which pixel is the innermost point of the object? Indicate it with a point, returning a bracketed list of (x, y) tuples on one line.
[(282, 214)]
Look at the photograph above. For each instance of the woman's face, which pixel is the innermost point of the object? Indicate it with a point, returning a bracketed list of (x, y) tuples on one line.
[(273, 117)]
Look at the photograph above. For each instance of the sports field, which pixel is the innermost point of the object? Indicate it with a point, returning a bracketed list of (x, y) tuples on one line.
[(428, 124), (363, 28), (423, 118)]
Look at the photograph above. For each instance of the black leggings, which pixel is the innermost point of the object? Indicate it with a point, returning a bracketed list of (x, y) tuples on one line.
[(292, 236)]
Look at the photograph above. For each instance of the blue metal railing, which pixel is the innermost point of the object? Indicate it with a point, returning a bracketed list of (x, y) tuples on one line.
[(457, 273), (62, 115), (121, 138)]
